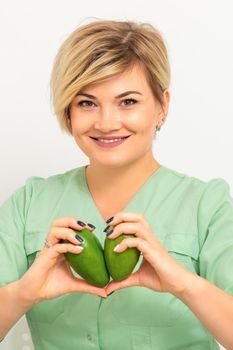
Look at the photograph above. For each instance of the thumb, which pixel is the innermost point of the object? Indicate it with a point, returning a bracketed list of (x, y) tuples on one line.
[(84, 287), (130, 281)]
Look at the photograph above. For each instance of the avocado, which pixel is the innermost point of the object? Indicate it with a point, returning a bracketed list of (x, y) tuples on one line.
[(90, 263), (120, 265)]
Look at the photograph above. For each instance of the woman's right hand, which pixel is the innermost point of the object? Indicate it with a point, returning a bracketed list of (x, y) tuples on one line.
[(50, 274)]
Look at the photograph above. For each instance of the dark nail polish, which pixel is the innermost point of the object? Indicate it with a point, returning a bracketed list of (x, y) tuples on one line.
[(91, 226), (109, 233), (81, 223), (111, 292), (110, 219), (80, 239), (108, 230)]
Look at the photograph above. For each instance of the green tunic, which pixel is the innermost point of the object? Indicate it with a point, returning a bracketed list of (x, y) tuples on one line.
[(192, 218)]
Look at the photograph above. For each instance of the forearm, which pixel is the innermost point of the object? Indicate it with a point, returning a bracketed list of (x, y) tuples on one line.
[(212, 306), (12, 307)]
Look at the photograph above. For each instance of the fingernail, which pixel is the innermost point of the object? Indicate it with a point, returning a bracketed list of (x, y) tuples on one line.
[(108, 230), (81, 223), (91, 226), (110, 219), (80, 239), (78, 247), (111, 292), (116, 248)]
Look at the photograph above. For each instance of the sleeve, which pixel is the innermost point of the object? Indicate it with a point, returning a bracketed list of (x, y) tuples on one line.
[(13, 260), (216, 222)]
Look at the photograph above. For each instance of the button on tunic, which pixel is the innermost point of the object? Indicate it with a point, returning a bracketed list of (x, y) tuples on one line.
[(192, 218)]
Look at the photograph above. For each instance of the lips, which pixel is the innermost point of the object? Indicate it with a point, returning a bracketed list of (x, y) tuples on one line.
[(110, 137), (109, 143)]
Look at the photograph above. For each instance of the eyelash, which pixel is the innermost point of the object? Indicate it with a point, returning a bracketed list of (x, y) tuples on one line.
[(127, 99)]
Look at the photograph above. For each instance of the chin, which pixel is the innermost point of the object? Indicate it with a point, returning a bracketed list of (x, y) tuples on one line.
[(114, 162)]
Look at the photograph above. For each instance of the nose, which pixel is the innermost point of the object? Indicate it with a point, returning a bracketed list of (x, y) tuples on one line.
[(107, 120)]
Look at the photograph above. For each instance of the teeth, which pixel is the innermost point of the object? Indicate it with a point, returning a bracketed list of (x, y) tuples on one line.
[(108, 141)]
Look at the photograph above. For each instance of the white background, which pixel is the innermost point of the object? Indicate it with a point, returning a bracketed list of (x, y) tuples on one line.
[(197, 137)]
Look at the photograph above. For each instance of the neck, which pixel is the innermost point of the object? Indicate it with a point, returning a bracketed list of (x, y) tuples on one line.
[(106, 179)]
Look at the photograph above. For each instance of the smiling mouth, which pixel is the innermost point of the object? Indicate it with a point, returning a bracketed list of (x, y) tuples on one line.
[(109, 143), (108, 139)]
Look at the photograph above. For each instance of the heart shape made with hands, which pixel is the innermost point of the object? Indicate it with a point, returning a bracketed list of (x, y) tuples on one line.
[(96, 264)]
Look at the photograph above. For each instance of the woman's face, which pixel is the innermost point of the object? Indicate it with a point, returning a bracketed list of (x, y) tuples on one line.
[(98, 111)]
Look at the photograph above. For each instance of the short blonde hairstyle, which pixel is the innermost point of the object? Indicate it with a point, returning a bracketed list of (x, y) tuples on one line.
[(102, 49)]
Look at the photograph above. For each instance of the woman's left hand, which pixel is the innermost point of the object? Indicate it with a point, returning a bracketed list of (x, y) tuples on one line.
[(158, 271)]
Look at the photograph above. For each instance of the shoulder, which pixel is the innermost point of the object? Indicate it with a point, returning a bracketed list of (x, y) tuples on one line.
[(214, 186), (206, 197), (39, 189), (37, 184), (38, 194)]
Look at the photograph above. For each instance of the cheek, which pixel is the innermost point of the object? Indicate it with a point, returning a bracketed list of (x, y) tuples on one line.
[(79, 125), (142, 122)]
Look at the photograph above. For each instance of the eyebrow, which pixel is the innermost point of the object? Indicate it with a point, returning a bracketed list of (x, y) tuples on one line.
[(118, 96)]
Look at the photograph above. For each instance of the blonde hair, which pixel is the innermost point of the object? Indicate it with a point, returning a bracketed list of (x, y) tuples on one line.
[(101, 49)]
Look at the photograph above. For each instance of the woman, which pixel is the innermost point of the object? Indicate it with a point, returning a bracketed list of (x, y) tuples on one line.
[(110, 90)]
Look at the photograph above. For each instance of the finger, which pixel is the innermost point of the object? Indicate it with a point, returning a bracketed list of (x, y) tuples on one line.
[(143, 246), (130, 281), (84, 287), (61, 248), (70, 222), (125, 216), (153, 252), (137, 229), (58, 233)]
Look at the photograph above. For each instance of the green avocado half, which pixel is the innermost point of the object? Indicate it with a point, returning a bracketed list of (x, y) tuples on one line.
[(120, 265), (90, 263)]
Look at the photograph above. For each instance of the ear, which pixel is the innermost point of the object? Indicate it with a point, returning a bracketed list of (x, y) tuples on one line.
[(164, 108), (69, 125), (68, 119), (166, 98)]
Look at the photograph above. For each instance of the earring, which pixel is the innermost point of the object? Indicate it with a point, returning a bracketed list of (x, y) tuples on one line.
[(158, 127)]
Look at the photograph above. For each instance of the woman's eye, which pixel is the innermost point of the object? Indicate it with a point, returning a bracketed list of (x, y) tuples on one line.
[(85, 103), (126, 102), (129, 101)]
